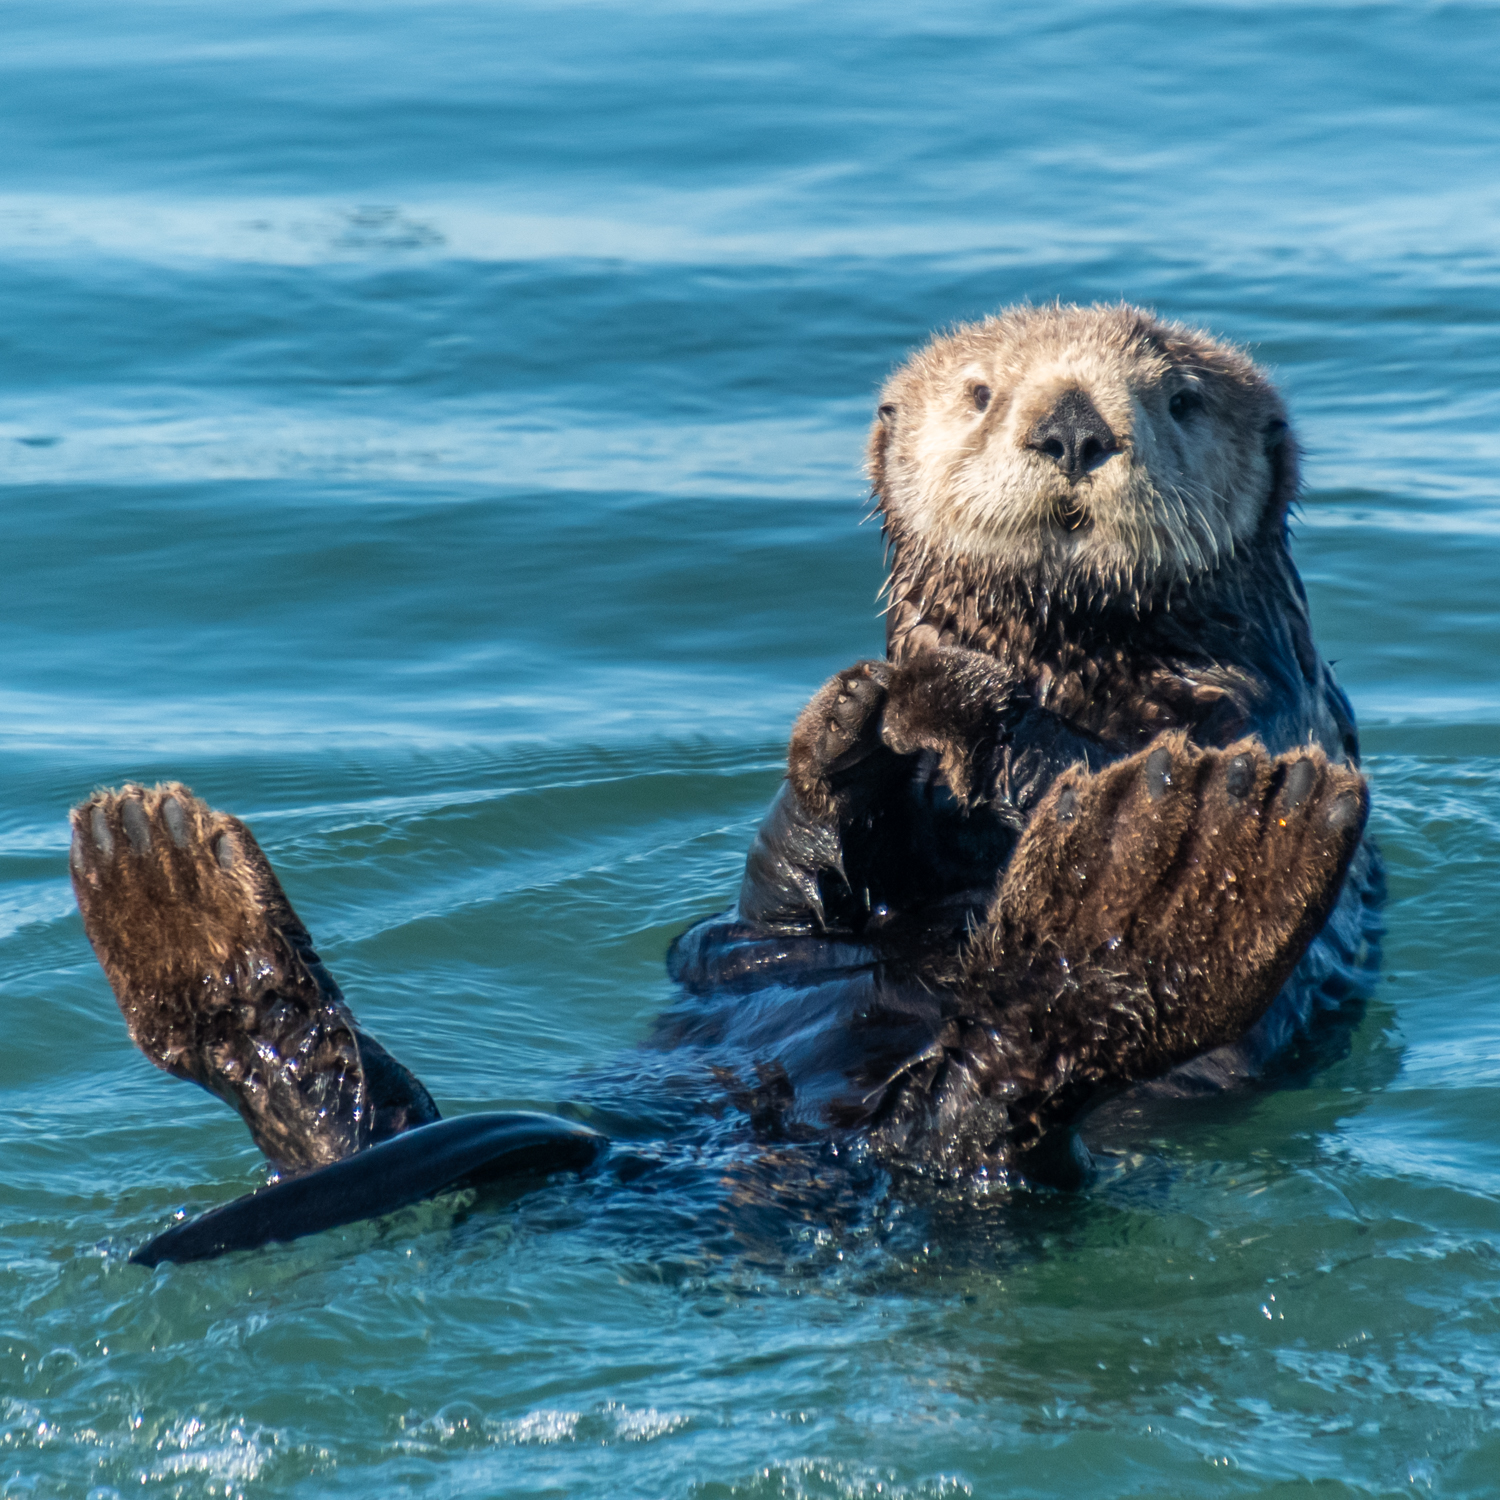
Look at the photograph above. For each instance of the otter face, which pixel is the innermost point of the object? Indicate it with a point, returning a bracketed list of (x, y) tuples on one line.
[(1078, 449)]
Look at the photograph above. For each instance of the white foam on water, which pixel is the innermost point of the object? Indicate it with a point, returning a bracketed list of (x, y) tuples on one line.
[(230, 1453), (226, 1452), (540, 1427), (644, 1425)]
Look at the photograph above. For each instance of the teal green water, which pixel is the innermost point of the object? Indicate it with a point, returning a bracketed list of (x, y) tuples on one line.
[(432, 430)]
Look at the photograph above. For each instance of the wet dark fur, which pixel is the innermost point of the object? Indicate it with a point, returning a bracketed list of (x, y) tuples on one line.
[(909, 781), (882, 986), (1149, 912)]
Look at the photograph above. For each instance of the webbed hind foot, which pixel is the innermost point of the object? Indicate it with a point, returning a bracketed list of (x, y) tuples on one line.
[(1199, 875), (1152, 911), (218, 980)]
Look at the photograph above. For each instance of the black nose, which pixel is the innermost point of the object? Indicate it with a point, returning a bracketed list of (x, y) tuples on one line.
[(1073, 435)]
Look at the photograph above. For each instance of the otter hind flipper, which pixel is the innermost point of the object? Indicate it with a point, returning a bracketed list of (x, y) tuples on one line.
[(219, 982), (1152, 911), (1198, 877), (468, 1151)]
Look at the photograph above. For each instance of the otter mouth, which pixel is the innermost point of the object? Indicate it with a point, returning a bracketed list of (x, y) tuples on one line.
[(1071, 516)]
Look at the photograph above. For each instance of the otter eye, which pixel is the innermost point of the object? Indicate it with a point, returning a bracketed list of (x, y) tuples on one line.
[(982, 394), (887, 414), (1185, 401)]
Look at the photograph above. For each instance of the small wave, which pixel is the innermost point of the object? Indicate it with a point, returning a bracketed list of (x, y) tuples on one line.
[(171, 437)]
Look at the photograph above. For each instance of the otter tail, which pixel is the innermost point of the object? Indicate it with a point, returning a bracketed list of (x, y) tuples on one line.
[(468, 1151)]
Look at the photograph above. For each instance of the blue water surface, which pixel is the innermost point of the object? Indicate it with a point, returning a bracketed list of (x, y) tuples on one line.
[(433, 430)]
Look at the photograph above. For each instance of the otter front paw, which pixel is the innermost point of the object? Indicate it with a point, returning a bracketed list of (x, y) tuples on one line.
[(957, 704), (1198, 877), (835, 733)]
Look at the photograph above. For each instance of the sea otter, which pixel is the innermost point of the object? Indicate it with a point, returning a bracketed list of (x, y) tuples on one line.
[(1077, 831), (1087, 518)]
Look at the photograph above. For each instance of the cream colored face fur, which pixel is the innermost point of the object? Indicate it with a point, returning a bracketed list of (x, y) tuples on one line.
[(1195, 423)]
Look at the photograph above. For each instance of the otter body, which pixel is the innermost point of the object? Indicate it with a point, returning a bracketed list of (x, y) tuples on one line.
[(1096, 822), (1086, 512)]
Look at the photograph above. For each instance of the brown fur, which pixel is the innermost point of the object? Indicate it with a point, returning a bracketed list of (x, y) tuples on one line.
[(1176, 604), (1045, 620), (218, 981), (1152, 911)]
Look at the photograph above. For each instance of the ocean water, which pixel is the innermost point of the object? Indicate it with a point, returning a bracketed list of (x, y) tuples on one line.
[(432, 430)]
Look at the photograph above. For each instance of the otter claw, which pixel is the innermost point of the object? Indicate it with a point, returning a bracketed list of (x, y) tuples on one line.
[(1158, 774), (1239, 777), (176, 820), (1299, 782), (137, 827), (1345, 813), (104, 840)]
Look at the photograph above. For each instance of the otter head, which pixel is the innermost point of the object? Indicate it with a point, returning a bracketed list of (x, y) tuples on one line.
[(1091, 454)]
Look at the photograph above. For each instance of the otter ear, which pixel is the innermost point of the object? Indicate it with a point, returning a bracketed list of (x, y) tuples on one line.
[(880, 433), (1286, 470)]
